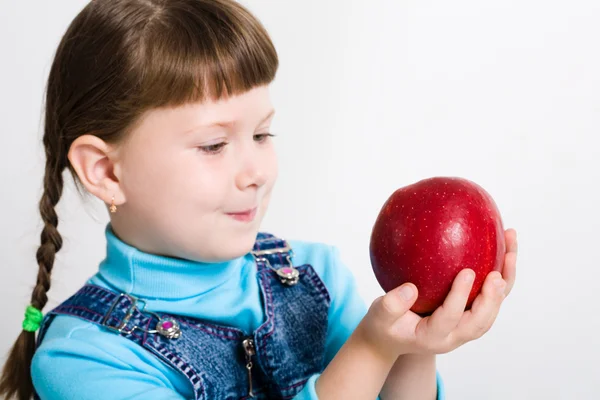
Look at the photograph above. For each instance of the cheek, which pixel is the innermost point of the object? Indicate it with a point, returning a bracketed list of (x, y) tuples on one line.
[(206, 188), (146, 171), (158, 177), (203, 183)]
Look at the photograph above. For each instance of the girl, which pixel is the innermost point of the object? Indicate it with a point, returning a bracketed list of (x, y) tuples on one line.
[(161, 109)]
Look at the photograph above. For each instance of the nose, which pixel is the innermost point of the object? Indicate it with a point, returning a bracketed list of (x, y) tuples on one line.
[(252, 171)]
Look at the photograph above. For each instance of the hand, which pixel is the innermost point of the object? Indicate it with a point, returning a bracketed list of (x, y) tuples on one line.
[(391, 329)]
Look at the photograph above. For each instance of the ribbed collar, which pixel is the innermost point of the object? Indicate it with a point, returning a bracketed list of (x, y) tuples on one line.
[(153, 276)]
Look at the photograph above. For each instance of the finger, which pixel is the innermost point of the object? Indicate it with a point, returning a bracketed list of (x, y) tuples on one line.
[(479, 319), (396, 303), (446, 317), (509, 270), (510, 236)]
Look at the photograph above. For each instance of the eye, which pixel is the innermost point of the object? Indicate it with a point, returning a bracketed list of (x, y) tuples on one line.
[(262, 137), (213, 148)]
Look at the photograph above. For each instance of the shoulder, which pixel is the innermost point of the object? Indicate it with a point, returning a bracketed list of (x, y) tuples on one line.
[(324, 258), (74, 351), (319, 255), (326, 261), (78, 360), (73, 338)]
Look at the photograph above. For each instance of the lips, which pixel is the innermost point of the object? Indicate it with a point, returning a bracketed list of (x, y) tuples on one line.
[(244, 216)]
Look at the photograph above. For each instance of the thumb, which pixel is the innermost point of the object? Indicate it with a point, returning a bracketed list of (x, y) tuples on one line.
[(396, 303)]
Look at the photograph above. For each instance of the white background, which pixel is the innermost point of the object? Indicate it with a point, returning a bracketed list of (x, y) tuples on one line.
[(372, 96)]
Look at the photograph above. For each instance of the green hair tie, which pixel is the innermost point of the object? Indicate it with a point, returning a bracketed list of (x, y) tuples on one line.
[(33, 319)]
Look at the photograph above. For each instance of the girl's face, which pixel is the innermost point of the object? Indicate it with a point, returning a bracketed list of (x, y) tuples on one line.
[(197, 178)]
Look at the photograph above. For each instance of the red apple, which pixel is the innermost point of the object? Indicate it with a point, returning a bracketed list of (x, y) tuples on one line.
[(427, 232)]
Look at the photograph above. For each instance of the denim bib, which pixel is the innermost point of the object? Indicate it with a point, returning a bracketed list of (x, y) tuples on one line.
[(220, 362)]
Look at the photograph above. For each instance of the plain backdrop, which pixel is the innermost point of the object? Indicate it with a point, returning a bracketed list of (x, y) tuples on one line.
[(372, 96)]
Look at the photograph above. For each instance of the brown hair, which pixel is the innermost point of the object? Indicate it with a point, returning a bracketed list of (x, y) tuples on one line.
[(117, 60)]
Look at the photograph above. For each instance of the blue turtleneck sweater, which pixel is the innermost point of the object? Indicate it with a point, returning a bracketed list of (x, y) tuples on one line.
[(81, 360)]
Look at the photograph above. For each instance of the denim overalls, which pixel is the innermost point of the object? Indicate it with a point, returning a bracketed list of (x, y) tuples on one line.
[(273, 362)]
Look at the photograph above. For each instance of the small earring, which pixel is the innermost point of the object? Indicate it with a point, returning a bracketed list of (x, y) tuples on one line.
[(113, 208)]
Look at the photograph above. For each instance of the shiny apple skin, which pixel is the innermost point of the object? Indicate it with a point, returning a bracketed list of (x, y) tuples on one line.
[(427, 232)]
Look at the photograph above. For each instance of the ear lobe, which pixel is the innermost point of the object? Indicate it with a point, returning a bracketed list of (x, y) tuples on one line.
[(89, 156)]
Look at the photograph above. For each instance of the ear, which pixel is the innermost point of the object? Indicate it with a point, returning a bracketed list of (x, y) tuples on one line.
[(94, 162)]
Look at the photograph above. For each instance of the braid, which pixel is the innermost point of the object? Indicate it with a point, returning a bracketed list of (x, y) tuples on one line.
[(16, 377), (51, 241)]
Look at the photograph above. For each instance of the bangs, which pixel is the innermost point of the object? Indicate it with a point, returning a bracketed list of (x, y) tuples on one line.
[(198, 52)]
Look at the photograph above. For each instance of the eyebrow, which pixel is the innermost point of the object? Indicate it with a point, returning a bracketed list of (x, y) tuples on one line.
[(226, 124)]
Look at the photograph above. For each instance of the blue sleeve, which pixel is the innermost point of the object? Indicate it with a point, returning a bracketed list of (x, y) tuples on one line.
[(346, 310), (89, 372), (441, 392)]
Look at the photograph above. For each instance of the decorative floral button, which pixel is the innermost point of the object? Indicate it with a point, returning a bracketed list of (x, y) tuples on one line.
[(169, 328)]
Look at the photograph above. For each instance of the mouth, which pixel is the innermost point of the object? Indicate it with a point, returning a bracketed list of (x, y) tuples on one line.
[(244, 216)]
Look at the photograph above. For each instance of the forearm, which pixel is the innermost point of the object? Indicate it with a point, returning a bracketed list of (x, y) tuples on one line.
[(413, 376), (356, 372)]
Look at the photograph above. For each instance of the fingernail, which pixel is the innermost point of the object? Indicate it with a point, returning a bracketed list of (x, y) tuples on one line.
[(406, 292), (469, 276)]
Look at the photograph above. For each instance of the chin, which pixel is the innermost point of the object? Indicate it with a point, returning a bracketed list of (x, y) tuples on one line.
[(245, 244)]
